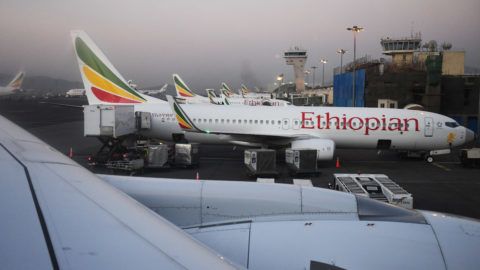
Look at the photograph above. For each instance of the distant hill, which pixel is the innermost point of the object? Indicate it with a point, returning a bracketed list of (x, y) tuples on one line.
[(43, 84)]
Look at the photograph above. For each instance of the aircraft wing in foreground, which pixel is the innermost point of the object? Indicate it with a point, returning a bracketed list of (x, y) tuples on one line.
[(58, 215)]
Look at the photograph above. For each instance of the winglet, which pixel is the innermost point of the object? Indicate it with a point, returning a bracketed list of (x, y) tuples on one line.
[(17, 81), (182, 118), (181, 87)]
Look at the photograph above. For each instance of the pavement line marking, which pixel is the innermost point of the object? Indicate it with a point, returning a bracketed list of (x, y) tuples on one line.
[(441, 166), (449, 162)]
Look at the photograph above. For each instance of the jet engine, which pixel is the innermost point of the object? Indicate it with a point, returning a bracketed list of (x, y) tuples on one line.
[(325, 148)]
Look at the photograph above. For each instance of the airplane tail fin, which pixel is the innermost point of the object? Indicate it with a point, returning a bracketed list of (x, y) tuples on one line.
[(211, 93), (212, 96), (182, 88), (164, 88), (225, 99), (17, 81), (183, 120), (102, 81), (244, 90), (226, 90)]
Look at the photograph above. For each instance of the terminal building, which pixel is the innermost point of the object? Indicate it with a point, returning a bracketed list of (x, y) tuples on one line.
[(430, 76)]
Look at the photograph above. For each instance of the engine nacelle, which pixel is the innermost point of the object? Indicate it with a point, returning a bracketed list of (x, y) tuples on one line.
[(325, 148)]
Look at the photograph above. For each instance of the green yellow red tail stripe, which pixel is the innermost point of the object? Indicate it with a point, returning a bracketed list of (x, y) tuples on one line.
[(182, 118), (105, 85), (16, 83), (181, 87)]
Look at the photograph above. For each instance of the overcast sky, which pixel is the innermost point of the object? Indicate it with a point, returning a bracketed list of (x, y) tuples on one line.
[(210, 41)]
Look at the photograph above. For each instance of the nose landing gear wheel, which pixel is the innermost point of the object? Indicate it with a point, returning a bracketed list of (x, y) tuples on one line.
[(429, 159)]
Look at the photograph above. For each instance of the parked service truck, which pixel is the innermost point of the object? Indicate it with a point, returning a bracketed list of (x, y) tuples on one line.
[(109, 120), (470, 157), (260, 162)]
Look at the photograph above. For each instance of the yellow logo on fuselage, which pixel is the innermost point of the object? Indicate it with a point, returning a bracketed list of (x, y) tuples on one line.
[(451, 137)]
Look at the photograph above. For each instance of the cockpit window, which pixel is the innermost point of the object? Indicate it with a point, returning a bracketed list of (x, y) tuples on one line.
[(452, 124)]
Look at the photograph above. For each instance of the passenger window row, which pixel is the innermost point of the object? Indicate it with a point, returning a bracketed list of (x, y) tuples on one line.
[(235, 121)]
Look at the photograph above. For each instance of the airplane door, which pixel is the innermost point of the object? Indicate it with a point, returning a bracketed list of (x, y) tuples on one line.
[(285, 123), (428, 127)]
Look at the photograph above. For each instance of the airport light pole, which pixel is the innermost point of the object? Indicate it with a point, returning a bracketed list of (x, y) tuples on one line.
[(354, 29), (307, 73), (323, 61), (280, 80), (341, 52), (313, 77)]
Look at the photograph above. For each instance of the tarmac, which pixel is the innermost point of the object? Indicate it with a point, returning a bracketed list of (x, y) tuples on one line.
[(443, 186)]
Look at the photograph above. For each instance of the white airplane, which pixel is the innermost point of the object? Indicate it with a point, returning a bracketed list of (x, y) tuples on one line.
[(225, 89), (75, 93), (320, 128), (132, 84), (251, 100), (325, 128), (154, 91), (246, 93), (187, 95), (14, 86), (58, 215), (254, 101)]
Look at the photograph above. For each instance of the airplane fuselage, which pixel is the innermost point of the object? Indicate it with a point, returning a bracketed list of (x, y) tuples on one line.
[(347, 127), (5, 91)]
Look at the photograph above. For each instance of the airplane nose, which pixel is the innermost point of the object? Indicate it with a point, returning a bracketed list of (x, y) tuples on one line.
[(469, 135)]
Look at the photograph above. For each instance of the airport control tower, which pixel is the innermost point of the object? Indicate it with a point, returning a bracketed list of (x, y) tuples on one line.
[(402, 49), (297, 58)]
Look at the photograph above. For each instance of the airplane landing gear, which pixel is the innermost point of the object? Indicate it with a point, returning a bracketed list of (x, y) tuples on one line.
[(429, 159)]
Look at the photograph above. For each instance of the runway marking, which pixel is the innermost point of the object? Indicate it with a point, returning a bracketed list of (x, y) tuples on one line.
[(441, 166)]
